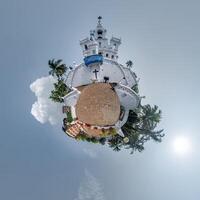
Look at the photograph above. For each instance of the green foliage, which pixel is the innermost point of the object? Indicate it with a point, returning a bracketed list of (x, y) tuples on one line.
[(83, 137), (109, 132), (139, 128), (102, 141), (60, 90), (129, 63), (116, 142), (96, 140), (69, 117), (135, 88), (58, 69)]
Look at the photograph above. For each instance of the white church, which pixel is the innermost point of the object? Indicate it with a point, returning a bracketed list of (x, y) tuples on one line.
[(101, 66)]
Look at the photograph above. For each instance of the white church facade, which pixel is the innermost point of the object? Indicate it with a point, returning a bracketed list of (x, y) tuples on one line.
[(101, 66)]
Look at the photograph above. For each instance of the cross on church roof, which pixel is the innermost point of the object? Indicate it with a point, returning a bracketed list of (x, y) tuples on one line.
[(99, 19), (95, 71)]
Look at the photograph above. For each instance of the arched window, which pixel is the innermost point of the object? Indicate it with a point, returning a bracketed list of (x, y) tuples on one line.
[(86, 47), (100, 44), (112, 56), (100, 32), (107, 55)]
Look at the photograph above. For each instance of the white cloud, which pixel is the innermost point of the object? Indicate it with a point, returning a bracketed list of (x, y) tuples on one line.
[(44, 110), (90, 188)]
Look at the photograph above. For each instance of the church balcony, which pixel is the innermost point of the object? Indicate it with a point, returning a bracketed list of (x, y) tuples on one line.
[(93, 59)]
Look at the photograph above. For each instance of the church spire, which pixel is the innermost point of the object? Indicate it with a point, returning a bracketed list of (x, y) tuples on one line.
[(99, 20), (98, 43)]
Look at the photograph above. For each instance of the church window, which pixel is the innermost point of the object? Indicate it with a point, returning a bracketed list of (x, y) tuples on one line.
[(107, 55), (112, 56), (99, 32), (86, 47)]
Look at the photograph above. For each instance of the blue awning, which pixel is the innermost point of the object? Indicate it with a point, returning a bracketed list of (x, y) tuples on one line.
[(93, 59)]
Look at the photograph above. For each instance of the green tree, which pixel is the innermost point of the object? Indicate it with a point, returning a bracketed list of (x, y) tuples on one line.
[(140, 127), (135, 88), (129, 63), (116, 142), (69, 117), (57, 68), (60, 90), (55, 96), (102, 141)]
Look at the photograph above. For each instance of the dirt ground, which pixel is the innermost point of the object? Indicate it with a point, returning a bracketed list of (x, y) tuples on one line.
[(98, 105)]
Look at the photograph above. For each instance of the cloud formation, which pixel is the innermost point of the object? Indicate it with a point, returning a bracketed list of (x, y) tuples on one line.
[(44, 110), (90, 188)]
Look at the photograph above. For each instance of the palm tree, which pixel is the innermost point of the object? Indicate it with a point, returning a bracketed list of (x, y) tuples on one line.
[(53, 66), (60, 90), (129, 63), (140, 127), (116, 142), (56, 97), (132, 117), (129, 127), (149, 117), (61, 87), (57, 68)]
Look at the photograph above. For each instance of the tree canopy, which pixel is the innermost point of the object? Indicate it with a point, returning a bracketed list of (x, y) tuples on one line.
[(139, 128), (58, 69)]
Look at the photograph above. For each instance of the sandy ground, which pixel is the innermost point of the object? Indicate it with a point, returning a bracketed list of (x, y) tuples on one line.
[(98, 105)]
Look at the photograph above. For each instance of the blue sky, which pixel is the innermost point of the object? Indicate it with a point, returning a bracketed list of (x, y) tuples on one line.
[(37, 161)]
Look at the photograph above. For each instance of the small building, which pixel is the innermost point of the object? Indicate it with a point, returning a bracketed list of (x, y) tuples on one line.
[(101, 67)]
